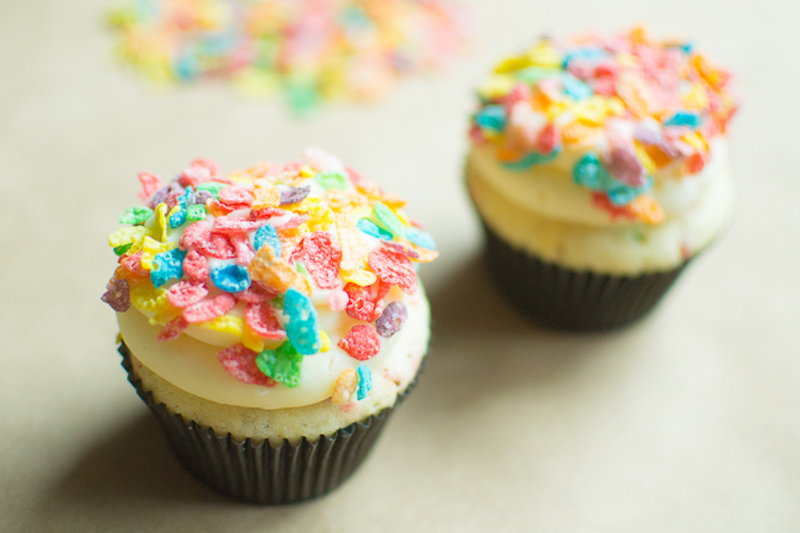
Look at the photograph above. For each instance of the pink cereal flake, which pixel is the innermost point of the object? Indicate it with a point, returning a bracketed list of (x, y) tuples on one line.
[(192, 234), (209, 309), (195, 266), (240, 362), (361, 343), (172, 330), (186, 293), (236, 195), (393, 268), (150, 184), (263, 319)]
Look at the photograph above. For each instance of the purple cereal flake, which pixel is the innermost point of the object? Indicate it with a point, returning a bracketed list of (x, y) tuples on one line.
[(295, 195), (411, 254), (117, 295), (158, 197), (391, 320), (201, 197), (625, 167)]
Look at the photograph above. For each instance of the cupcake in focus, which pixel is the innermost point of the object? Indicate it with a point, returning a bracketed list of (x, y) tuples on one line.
[(271, 318), (598, 167)]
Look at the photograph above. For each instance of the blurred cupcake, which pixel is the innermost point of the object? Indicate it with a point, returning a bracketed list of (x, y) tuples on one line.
[(599, 169), (271, 318)]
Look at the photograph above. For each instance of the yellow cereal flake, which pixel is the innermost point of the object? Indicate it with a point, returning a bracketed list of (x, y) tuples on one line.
[(147, 298), (496, 86), (696, 141), (252, 340), (636, 94), (512, 64), (128, 235), (695, 98), (326, 342), (225, 324), (161, 222), (151, 247), (306, 171), (165, 315), (644, 157), (362, 278), (544, 55), (345, 388)]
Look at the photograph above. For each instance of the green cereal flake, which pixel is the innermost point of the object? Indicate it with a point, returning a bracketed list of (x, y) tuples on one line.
[(389, 220), (119, 250), (211, 186), (196, 212), (331, 180), (135, 215), (281, 364)]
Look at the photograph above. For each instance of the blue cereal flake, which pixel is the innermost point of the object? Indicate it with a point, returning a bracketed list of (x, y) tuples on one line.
[(168, 265), (531, 159), (303, 326), (372, 229), (420, 238), (364, 382), (591, 54), (622, 194), (267, 234), (575, 88), (281, 364), (590, 173), (231, 278), (685, 118), (178, 218), (491, 117)]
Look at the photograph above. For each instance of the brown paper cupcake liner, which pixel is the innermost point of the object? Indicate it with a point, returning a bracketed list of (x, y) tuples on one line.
[(573, 299), (263, 473)]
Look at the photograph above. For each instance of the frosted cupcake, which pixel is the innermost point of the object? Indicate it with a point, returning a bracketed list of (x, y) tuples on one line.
[(599, 169), (271, 318)]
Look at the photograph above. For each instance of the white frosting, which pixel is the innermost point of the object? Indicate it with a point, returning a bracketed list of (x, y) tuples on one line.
[(543, 212), (548, 190), (193, 366)]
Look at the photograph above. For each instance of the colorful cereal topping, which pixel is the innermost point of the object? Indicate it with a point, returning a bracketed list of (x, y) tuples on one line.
[(260, 254), (312, 50), (628, 106)]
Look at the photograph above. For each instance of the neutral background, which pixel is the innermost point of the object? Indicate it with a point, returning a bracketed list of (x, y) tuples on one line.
[(686, 422)]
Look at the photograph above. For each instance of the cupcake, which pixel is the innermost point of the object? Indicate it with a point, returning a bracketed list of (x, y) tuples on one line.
[(598, 167), (271, 318)]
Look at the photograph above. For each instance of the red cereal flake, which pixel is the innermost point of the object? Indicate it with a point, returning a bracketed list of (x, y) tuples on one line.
[(362, 342), (321, 257), (379, 289), (548, 138), (172, 199), (292, 222), (361, 305), (185, 293), (355, 177), (150, 184), (602, 201), (236, 195), (263, 319), (172, 330), (209, 309), (240, 362), (266, 212), (217, 208), (393, 268), (229, 225), (217, 246), (244, 252), (195, 266), (695, 163), (133, 263), (193, 234)]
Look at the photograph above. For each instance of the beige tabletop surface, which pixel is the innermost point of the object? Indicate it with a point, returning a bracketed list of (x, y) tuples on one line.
[(687, 422)]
